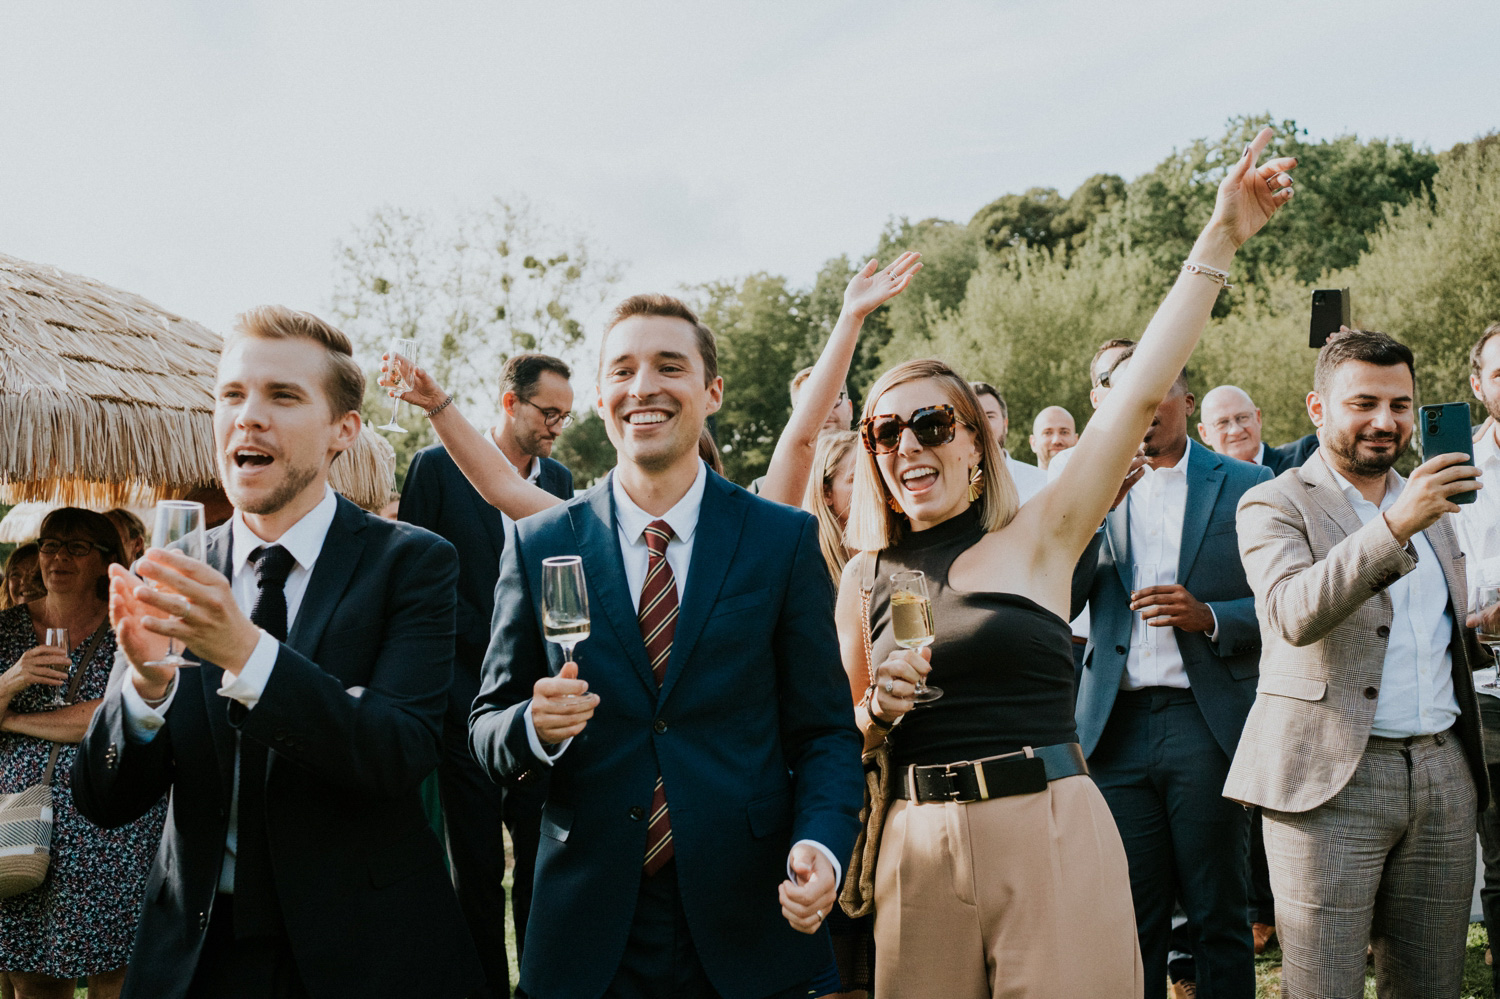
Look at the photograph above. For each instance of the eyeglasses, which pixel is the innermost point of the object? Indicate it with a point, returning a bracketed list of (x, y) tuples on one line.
[(552, 417), (1222, 426), (933, 426), (77, 549)]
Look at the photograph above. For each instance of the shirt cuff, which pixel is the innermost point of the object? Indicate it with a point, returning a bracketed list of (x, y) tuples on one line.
[(251, 683), (535, 742), (142, 721), (1213, 636), (838, 870)]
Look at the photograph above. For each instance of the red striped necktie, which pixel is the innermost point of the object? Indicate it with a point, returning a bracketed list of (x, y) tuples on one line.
[(658, 616)]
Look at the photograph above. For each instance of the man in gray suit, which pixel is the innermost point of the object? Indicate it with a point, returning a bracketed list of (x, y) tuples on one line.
[(1363, 746)]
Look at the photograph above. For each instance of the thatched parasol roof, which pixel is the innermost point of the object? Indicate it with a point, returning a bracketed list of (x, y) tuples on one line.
[(105, 398)]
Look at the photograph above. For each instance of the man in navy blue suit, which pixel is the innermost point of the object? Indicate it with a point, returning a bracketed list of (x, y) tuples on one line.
[(1169, 677), (296, 860), (703, 757), (536, 403)]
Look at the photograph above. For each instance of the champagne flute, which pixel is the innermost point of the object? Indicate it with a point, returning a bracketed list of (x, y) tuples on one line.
[(403, 353), (911, 622), (179, 527), (1487, 606), (565, 602), (1145, 576), (58, 638)]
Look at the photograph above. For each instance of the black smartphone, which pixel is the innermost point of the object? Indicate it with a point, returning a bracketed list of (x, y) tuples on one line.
[(1330, 310), (1445, 430)]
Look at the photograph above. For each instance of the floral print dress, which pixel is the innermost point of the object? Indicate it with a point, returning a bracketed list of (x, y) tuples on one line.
[(82, 919)]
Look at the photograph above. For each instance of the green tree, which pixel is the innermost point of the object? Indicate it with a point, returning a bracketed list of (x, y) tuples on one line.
[(586, 449), (472, 289)]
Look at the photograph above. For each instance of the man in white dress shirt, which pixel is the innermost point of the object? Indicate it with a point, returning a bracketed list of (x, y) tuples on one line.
[(1029, 479), (1363, 748)]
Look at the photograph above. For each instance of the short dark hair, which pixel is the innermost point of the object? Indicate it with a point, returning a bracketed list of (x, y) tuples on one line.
[(1181, 381), (1107, 345), (1478, 349), (522, 371), (75, 520), (343, 381), (1369, 346), (671, 308), (985, 388)]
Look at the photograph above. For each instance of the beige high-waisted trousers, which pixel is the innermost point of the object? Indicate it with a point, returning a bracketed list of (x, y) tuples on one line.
[(1023, 896)]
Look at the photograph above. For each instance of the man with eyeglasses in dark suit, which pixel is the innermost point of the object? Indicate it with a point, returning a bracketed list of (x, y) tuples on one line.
[(536, 403)]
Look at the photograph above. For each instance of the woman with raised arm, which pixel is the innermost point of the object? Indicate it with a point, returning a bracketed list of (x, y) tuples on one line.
[(504, 488), (1000, 870)]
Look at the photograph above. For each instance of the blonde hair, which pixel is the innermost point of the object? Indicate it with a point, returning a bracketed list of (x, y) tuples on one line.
[(833, 448), (873, 524)]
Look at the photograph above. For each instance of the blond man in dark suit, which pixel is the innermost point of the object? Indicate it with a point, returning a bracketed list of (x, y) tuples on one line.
[(1363, 747)]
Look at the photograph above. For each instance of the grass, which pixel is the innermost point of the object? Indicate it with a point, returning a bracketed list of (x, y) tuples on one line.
[(1477, 978)]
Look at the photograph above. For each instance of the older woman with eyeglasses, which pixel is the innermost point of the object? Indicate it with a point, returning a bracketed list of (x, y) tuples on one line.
[(80, 923), (1000, 870)]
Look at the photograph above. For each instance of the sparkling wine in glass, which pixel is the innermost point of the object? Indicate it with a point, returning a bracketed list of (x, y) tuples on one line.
[(565, 602), (911, 622), (1145, 575), (179, 527), (1487, 606), (403, 357), (57, 638)]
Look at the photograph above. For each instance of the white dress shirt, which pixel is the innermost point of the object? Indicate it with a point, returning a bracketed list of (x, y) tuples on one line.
[(1156, 507), (1416, 679), (532, 476), (1478, 525), (304, 541), (1029, 479)]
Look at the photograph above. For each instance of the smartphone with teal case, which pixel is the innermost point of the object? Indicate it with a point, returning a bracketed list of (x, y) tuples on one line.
[(1445, 430)]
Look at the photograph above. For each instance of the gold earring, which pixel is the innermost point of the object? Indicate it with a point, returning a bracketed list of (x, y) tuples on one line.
[(895, 507), (976, 483)]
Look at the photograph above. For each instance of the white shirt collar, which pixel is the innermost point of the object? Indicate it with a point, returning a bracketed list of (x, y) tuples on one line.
[(1486, 452), (536, 463), (1394, 483), (683, 517), (1180, 468), (1260, 455), (304, 539)]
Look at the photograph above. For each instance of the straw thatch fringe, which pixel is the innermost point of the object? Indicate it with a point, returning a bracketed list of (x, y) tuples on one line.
[(366, 473)]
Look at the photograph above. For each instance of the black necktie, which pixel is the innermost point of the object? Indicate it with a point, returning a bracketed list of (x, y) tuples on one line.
[(256, 910)]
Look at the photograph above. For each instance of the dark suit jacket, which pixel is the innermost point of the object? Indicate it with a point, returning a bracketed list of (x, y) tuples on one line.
[(1293, 455), (752, 730), (1222, 673), (364, 897), (438, 497)]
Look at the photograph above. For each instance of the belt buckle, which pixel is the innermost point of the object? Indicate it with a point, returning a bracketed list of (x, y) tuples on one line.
[(950, 771)]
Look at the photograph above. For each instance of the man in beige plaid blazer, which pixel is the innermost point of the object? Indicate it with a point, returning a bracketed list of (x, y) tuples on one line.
[(1363, 746)]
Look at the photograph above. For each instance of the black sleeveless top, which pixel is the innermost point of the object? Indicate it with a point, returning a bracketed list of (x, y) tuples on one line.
[(1004, 662)]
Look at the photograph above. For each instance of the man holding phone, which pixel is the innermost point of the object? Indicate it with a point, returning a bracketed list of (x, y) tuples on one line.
[(1363, 747)]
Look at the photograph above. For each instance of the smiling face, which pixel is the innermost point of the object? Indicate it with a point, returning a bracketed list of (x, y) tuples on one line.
[(1364, 418), (930, 483), (1486, 384), (23, 579), (1052, 433), (65, 574), (1231, 423), (274, 431), (653, 393)]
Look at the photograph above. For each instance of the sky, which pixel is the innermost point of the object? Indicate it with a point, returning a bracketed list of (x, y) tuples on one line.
[(212, 155)]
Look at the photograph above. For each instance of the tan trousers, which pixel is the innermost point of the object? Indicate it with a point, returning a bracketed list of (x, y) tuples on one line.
[(1024, 896)]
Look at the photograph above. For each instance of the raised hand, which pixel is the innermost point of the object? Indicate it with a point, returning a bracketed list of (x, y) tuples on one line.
[(1249, 195), (871, 288), (422, 390)]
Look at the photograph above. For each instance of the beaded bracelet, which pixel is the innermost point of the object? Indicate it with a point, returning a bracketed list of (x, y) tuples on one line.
[(440, 407)]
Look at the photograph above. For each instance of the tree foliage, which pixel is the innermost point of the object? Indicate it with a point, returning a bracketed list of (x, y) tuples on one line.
[(586, 450)]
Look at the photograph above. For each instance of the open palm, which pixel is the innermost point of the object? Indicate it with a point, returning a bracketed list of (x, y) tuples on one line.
[(871, 288), (1250, 194)]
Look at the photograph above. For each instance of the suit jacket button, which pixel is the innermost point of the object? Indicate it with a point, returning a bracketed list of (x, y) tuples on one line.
[(202, 920), (111, 755), (1383, 631), (637, 813), (1120, 649), (660, 727), (1371, 693)]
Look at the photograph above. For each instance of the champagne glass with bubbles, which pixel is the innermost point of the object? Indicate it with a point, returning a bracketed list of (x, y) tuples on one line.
[(57, 638), (1486, 604), (911, 622), (179, 527), (565, 602), (403, 357)]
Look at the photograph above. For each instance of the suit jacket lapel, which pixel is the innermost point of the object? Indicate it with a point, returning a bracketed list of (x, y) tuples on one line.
[(598, 543), (714, 542), (1327, 493), (331, 575), (1117, 533), (218, 553), (1205, 477)]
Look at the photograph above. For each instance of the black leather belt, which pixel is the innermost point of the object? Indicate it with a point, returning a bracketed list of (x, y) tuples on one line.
[(996, 777)]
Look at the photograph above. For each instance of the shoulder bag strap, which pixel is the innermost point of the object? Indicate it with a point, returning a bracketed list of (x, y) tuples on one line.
[(83, 665), (866, 588)]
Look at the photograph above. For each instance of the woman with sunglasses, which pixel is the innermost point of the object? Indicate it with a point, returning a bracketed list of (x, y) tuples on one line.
[(791, 463), (1000, 870), (80, 923)]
